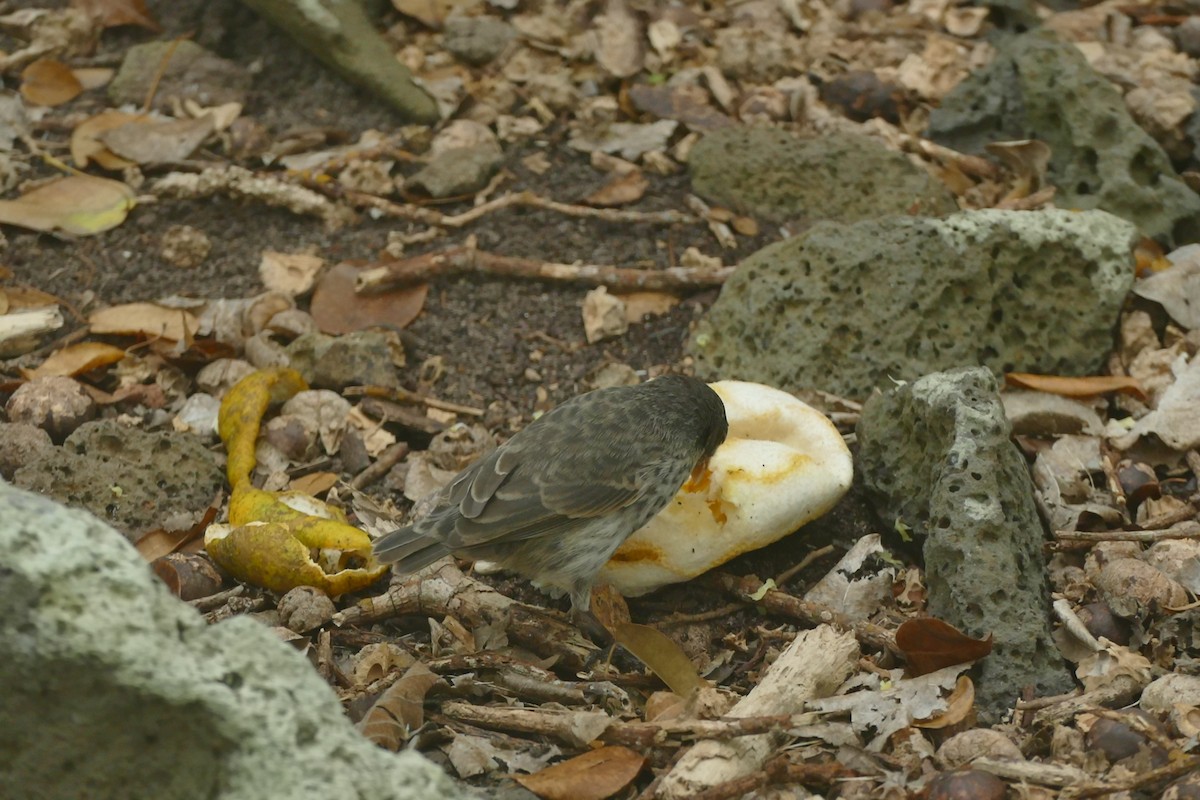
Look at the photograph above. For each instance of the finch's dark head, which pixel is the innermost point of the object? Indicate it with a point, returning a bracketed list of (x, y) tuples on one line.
[(703, 409)]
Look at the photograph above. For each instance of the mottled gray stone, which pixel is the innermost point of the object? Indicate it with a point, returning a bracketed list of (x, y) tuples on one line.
[(335, 362), (21, 444), (136, 480), (845, 308), (191, 72), (936, 456), (461, 171), (1037, 87), (115, 690), (477, 40), (779, 176)]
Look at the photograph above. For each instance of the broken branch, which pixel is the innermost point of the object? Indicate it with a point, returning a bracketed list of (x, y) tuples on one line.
[(468, 259)]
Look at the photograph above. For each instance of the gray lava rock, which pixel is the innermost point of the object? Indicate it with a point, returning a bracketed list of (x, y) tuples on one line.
[(56, 404), (461, 171), (936, 456), (114, 689), (845, 308), (21, 444), (334, 362), (778, 176), (192, 73), (138, 480), (1038, 87), (1187, 36), (477, 40)]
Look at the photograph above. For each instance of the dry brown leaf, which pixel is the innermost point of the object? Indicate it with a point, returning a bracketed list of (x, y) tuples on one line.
[(28, 297), (94, 77), (150, 141), (144, 319), (291, 273), (78, 204), (1077, 387), (609, 606), (960, 703), (929, 644), (76, 359), (315, 483), (621, 190), (639, 305), (337, 308), (47, 82), (660, 653), (594, 775), (619, 48), (113, 13), (157, 543), (746, 226), (85, 139), (400, 709)]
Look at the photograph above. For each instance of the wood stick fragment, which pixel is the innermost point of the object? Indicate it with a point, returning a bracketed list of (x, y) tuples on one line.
[(776, 602), (443, 590), (376, 470), (466, 259), (430, 216), (402, 395), (812, 666), (1189, 529)]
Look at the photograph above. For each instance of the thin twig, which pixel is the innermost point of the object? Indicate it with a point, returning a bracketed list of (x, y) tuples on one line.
[(402, 395), (776, 602), (387, 459), (430, 216), (467, 259), (1189, 529), (791, 572)]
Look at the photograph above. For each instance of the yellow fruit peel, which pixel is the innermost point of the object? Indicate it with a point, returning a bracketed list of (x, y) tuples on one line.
[(269, 555), (279, 540), (242, 412)]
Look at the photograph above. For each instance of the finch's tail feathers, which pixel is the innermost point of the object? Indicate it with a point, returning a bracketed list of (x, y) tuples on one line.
[(408, 550)]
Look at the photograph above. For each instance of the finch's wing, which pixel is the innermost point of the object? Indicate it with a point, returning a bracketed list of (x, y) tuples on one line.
[(519, 492)]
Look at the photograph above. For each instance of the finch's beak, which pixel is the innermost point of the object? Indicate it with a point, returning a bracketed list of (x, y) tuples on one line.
[(700, 478)]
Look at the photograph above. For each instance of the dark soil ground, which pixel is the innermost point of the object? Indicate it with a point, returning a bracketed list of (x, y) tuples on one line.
[(483, 330)]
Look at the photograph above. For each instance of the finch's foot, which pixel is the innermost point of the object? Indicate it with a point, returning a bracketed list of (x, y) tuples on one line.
[(592, 628)]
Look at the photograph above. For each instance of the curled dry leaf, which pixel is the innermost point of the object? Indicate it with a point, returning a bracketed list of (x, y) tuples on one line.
[(114, 13), (958, 706), (314, 483), (77, 359), (929, 644), (152, 141), (47, 82), (399, 710), (291, 273), (1077, 387), (594, 775), (78, 204), (160, 542), (620, 190), (85, 139), (660, 653), (144, 319), (94, 77)]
